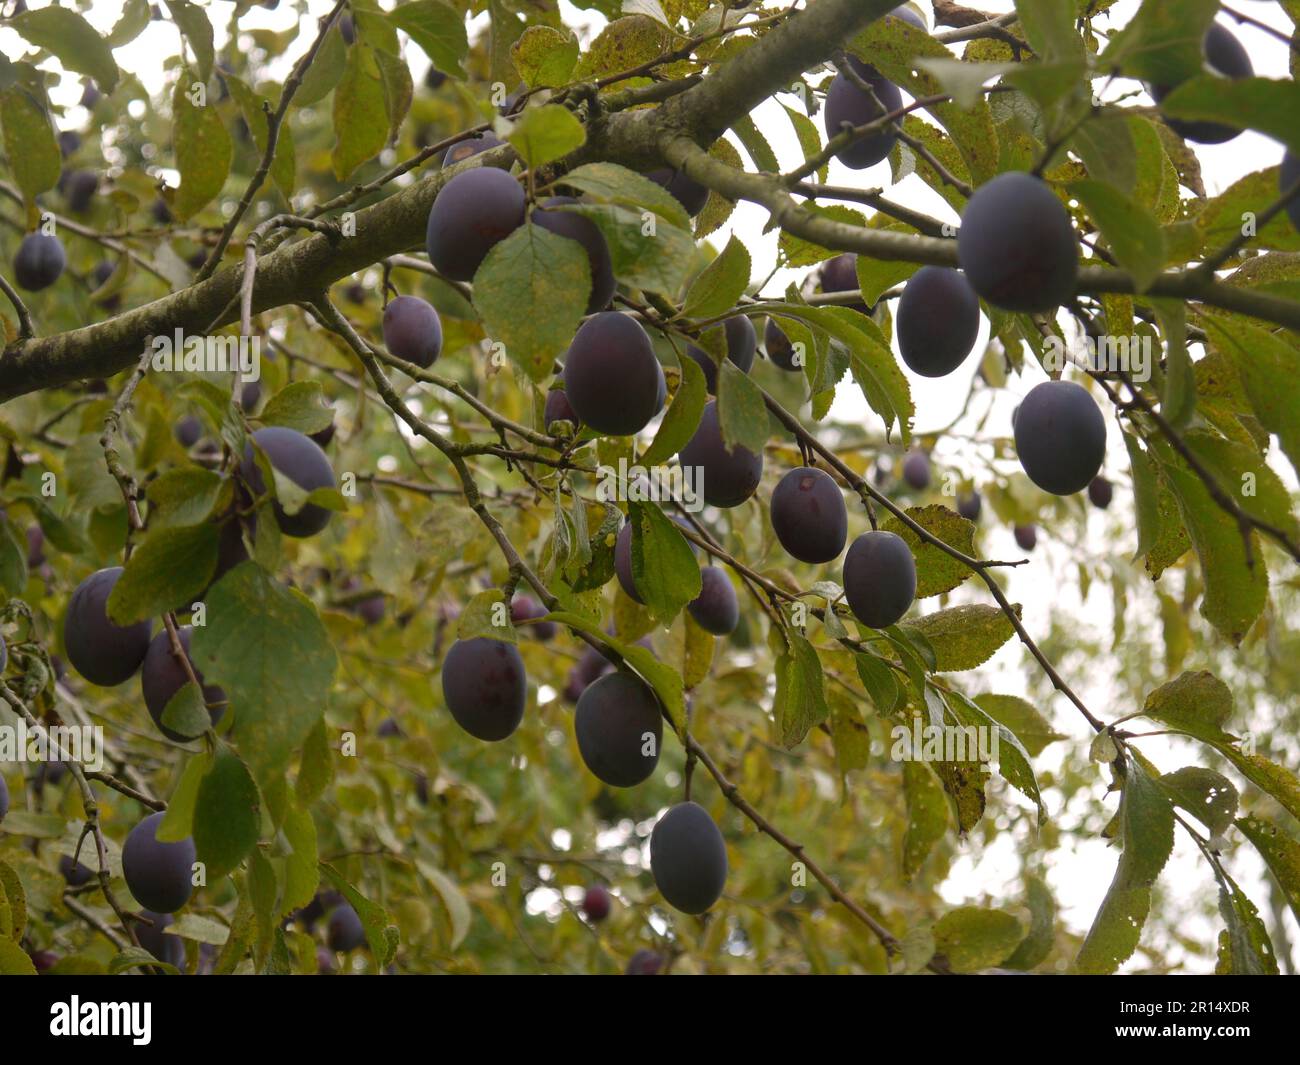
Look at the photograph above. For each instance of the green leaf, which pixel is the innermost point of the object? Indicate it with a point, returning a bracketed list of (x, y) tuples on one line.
[(963, 637), (1038, 943), (1146, 820), (543, 134), (453, 900), (655, 259), (800, 702), (300, 405), (317, 767), (399, 90), (1281, 853), (1133, 235), (801, 252), (301, 866), (76, 43), (169, 570), (1022, 718), (361, 118), (182, 496), (682, 417), (193, 23), (1014, 765), (227, 816), (665, 680), (437, 28), (29, 142), (267, 648), (1266, 364), (325, 71), (198, 928), (1178, 396), (381, 933), (202, 147), (135, 16), (742, 411), (135, 958), (186, 713), (617, 185), (486, 615), (1266, 105), (875, 276), (1244, 946), (880, 681), (531, 292), (13, 904), (178, 822), (13, 560), (1162, 42), (720, 285), (545, 56), (664, 569), (973, 938), (283, 163), (1206, 795), (927, 815), (936, 571)]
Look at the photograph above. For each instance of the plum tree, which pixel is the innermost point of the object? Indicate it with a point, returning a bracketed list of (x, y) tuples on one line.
[(937, 321), (159, 875), (344, 930), (153, 938), (596, 903), (623, 562), (969, 505), (688, 858), (644, 963), (1026, 536), (879, 578), (619, 727), (474, 212), (1225, 56), (485, 686), (1060, 437), (848, 105), (916, 469), (715, 609), (103, 653), (1288, 175), (809, 516), (559, 409), (39, 261), (686, 190), (726, 477), (779, 347), (526, 608), (302, 461), (1017, 245), (840, 274), (611, 375), (413, 330), (1100, 492), (549, 214), (163, 675), (741, 343), (463, 150)]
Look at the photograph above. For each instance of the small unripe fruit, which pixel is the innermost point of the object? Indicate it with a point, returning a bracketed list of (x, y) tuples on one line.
[(879, 578)]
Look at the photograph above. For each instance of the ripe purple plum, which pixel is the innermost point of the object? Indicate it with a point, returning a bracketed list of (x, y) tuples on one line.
[(474, 212), (611, 376), (938, 320), (847, 104), (779, 348), (686, 190), (413, 330), (619, 728), (163, 675), (551, 217), (688, 858), (1060, 437), (485, 686), (879, 578), (157, 874), (741, 343), (1226, 57), (809, 516), (103, 653), (715, 609), (727, 477), (300, 459), (39, 261)]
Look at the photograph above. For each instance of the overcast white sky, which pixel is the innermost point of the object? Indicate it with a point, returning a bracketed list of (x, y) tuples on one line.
[(1083, 868)]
